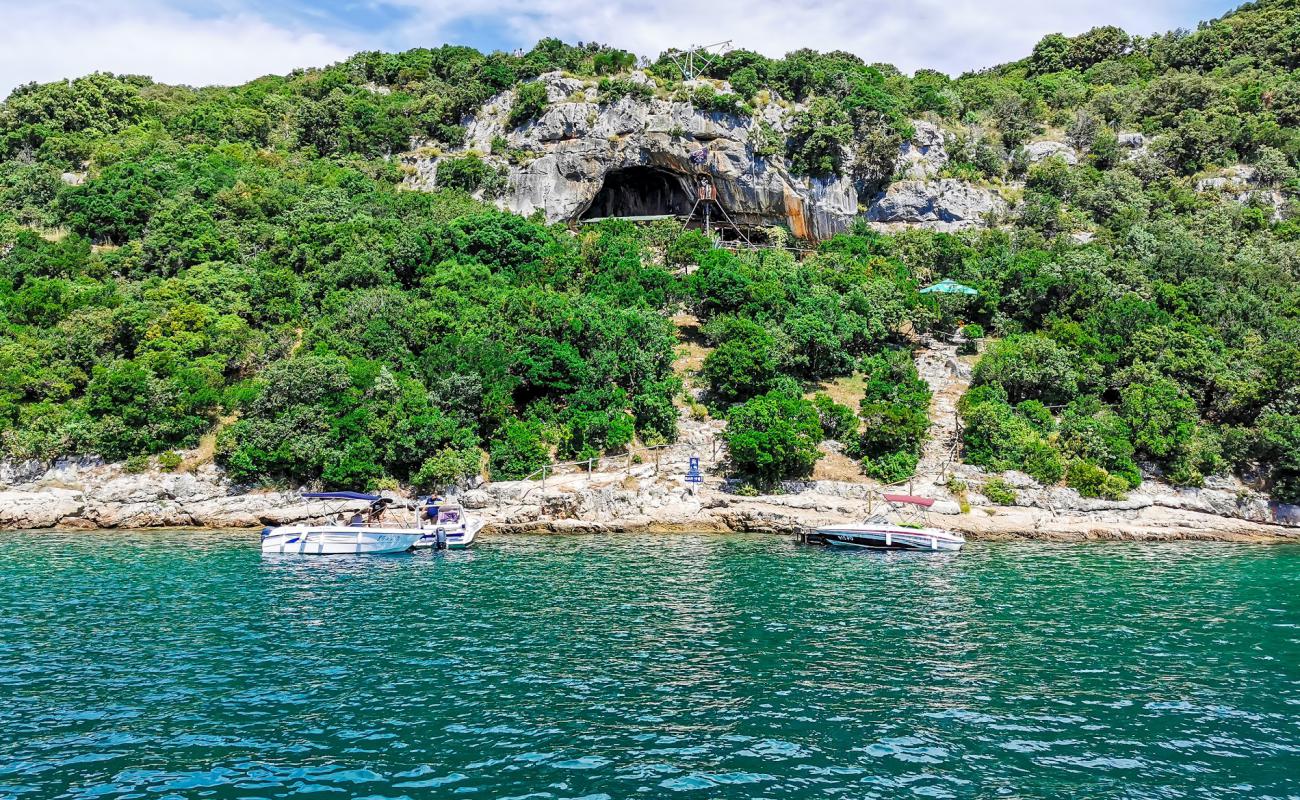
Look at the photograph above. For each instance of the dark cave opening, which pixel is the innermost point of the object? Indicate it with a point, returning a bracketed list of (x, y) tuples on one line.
[(639, 192)]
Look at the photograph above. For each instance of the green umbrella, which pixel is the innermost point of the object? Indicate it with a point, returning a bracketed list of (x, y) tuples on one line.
[(949, 286)]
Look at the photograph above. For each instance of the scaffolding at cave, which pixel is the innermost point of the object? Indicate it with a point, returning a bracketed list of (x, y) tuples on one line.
[(706, 200)]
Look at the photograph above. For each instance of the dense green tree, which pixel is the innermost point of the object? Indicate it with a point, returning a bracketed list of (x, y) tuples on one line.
[(895, 414), (1030, 367), (744, 364), (774, 437), (529, 103), (240, 260)]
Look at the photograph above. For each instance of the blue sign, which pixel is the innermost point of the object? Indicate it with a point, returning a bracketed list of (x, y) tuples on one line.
[(693, 474)]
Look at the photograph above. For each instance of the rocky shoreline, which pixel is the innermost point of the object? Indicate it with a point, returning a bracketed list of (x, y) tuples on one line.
[(84, 495)]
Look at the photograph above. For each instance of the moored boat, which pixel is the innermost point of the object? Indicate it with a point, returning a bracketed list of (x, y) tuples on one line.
[(880, 532), (449, 523), (367, 530), (327, 540)]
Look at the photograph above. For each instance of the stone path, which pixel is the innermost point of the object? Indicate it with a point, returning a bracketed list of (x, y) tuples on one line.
[(948, 376)]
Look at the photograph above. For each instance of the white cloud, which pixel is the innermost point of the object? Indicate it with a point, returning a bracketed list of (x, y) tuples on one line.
[(232, 41), (950, 35), (46, 41)]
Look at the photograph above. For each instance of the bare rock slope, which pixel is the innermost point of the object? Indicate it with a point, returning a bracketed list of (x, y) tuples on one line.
[(588, 156)]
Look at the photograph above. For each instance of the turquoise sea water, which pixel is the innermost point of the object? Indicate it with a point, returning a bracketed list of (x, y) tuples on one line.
[(189, 665)]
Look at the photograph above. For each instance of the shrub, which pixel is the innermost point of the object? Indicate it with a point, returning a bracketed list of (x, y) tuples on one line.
[(1093, 433), (613, 89), (838, 420), (1116, 488), (745, 81), (743, 365), (1037, 415), (705, 98), (687, 248), (895, 413), (818, 137), (470, 174), (891, 467), (970, 342), (774, 437), (999, 492), (169, 460), (1030, 367), (1041, 461), (136, 464), (1161, 415), (1086, 478), (530, 103), (447, 468), (517, 451), (997, 437), (764, 140)]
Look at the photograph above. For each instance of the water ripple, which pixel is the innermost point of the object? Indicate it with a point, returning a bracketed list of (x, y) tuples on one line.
[(187, 665)]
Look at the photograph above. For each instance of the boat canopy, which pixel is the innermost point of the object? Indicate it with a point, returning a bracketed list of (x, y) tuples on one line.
[(369, 498), (923, 502)]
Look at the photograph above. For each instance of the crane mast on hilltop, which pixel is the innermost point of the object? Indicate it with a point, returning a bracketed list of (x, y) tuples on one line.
[(697, 58)]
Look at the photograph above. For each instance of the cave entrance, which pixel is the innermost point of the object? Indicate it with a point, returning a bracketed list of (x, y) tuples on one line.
[(640, 192)]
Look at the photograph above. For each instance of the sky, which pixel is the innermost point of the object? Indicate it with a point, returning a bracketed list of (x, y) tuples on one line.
[(232, 41)]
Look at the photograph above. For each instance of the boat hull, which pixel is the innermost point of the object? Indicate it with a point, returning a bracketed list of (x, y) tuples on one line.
[(888, 537), (328, 540), (458, 538)]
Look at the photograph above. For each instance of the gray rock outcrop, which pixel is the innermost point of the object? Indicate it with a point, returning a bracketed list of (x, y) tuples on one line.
[(947, 204), (925, 155), (578, 142), (640, 497), (558, 164), (1241, 183), (1133, 140), (1041, 151)]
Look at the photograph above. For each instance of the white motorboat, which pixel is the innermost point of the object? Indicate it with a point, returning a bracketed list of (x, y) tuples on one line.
[(367, 531), (880, 532), (330, 540), (448, 523)]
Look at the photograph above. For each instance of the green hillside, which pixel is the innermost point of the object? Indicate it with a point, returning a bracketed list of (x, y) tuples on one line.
[(179, 262)]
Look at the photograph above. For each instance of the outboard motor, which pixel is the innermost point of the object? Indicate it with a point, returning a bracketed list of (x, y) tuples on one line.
[(440, 538)]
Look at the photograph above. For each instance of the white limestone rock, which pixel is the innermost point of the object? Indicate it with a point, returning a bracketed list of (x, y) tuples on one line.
[(1132, 140), (1041, 151), (475, 499), (44, 509), (924, 155), (574, 145), (1242, 185), (943, 205)]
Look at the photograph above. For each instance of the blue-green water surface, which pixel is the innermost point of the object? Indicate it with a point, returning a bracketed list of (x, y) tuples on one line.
[(188, 665)]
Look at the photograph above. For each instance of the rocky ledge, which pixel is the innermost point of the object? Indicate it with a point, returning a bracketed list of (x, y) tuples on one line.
[(87, 495)]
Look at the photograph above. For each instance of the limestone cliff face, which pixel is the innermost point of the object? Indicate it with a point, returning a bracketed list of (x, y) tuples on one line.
[(945, 204), (633, 157), (564, 158)]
